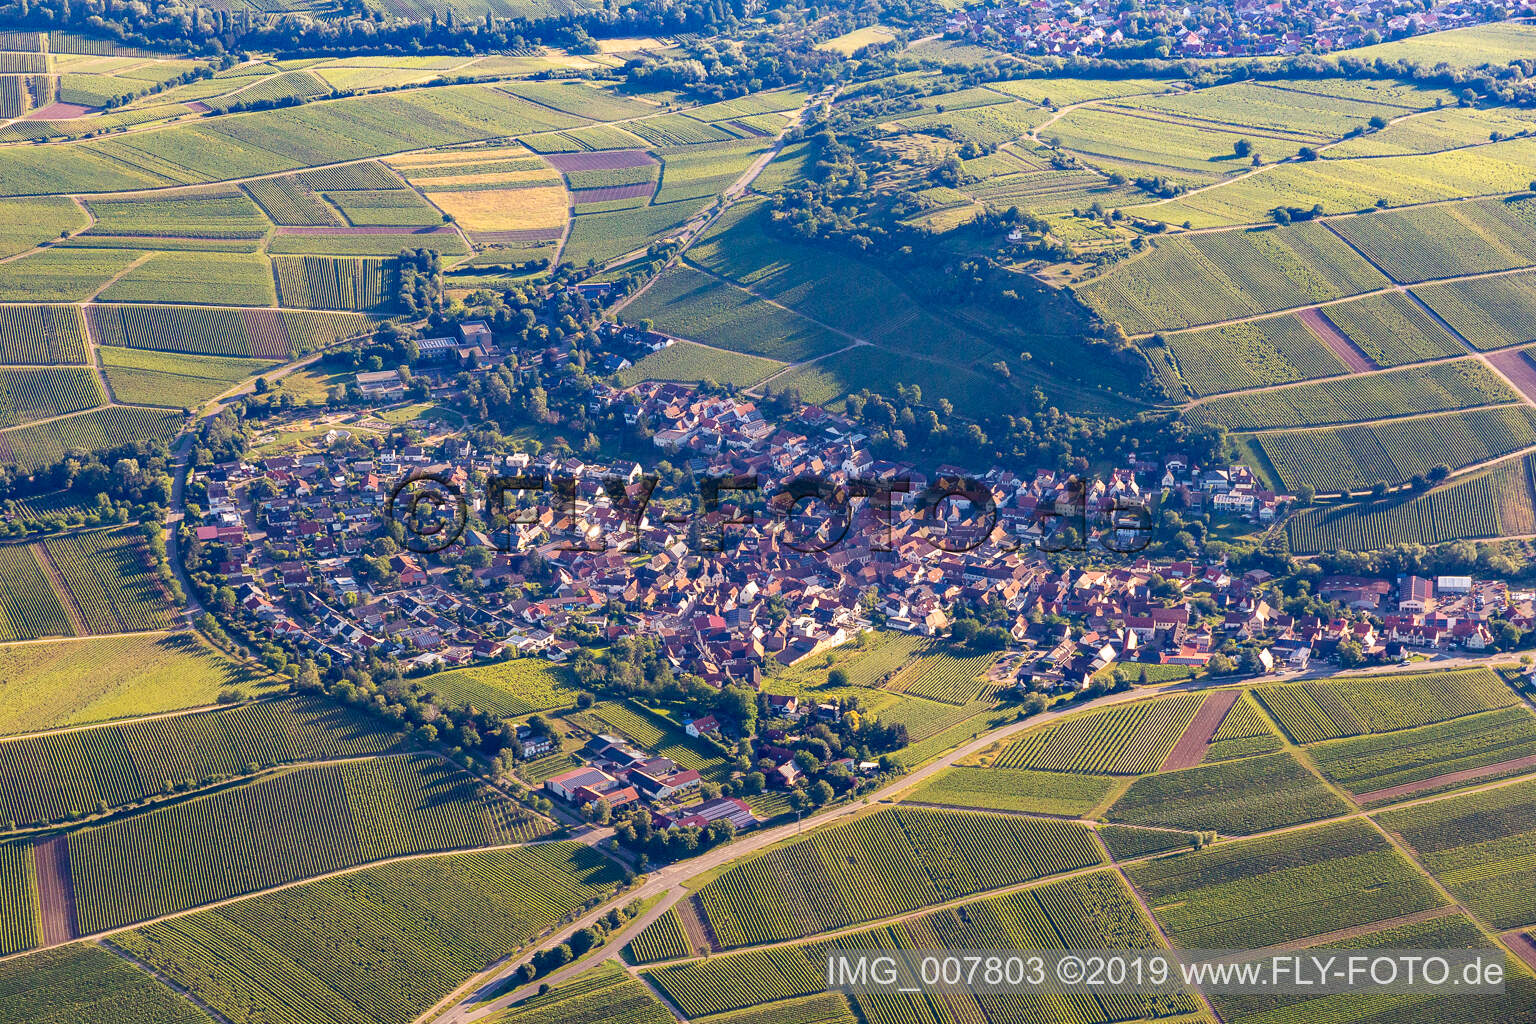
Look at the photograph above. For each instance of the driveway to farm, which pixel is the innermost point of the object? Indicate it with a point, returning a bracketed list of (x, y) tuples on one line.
[(463, 1006)]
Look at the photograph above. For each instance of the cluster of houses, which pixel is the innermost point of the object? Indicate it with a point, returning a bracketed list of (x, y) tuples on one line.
[(298, 541), (1245, 29), (621, 775)]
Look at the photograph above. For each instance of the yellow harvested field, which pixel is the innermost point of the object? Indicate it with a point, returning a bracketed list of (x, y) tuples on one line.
[(494, 178), (631, 44), (849, 42), (504, 209)]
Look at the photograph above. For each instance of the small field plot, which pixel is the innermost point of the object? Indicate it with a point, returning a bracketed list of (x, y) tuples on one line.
[(19, 922), (61, 274), (192, 214), (44, 443), (686, 361), (604, 993), (218, 331), (580, 98), (1131, 739), (109, 582), (1392, 329), (322, 282), (334, 816), (1355, 458), (375, 947), (1256, 353), (1435, 130), (176, 381), (1447, 240), (1415, 762), (851, 42), (604, 236), (41, 334), (506, 688), (214, 278), (1490, 312), (870, 661), (27, 395), (1436, 387), (1357, 705), (1127, 842), (663, 939), (939, 675), (29, 606), (389, 207), (1059, 92), (1015, 789), (1493, 43), (691, 304), (1252, 894), (1449, 931), (1244, 732), (1493, 503), (58, 775), (1346, 186), (81, 982), (25, 223), (1200, 279), (827, 381), (887, 863), (1240, 797), (1480, 847), (704, 171)]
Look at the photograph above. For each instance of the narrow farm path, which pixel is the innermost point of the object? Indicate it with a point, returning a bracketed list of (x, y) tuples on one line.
[(55, 892), (109, 282), (118, 951)]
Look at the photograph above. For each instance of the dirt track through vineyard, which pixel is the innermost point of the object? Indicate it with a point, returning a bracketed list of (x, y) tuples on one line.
[(55, 891), (1448, 779), (1329, 334), (1190, 750)]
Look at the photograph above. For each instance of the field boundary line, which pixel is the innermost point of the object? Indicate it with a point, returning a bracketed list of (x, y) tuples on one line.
[(181, 991), (56, 580), (1338, 934)]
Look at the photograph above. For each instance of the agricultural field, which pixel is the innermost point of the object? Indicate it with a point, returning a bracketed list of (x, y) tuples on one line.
[(1015, 789), (1355, 458), (1494, 503), (1447, 240), (215, 331), (1448, 931), (1479, 847), (231, 279), (44, 335), (1093, 911), (1359, 185), (29, 606), (320, 282), (27, 395), (1237, 797), (1391, 329), (143, 377), (1192, 280), (58, 776), (62, 274), (1435, 387), (938, 675), (871, 660), (1255, 893), (689, 362), (605, 993), (1358, 705), (19, 924), (601, 237), (662, 939), (335, 816), (692, 304), (506, 688), (887, 863), (1126, 842), (86, 983), (210, 213), (378, 946), (1254, 353), (1490, 312), (1244, 732), (1415, 762), (108, 580), (1131, 739), (699, 172), (44, 443)]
